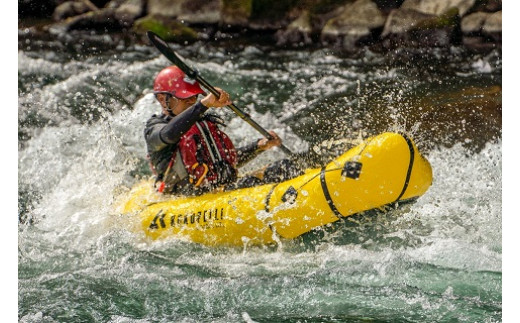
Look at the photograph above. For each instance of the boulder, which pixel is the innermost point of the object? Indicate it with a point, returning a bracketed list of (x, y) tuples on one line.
[(482, 30), (438, 7), (236, 12), (102, 19), (386, 5), (188, 11), (401, 21), (493, 23), (488, 6), (165, 8), (414, 28), (129, 11), (473, 23), (356, 21), (115, 4), (167, 28), (71, 9), (271, 14), (201, 12), (297, 33), (37, 8)]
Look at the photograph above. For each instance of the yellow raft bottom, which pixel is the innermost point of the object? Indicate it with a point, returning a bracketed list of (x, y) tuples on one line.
[(392, 170)]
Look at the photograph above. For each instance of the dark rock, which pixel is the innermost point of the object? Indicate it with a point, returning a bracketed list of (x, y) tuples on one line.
[(188, 11), (387, 5), (482, 30), (478, 43), (100, 3), (270, 14), (102, 19), (356, 21), (164, 8), (236, 12), (493, 23), (438, 7), (129, 11), (37, 8), (407, 27), (493, 27), (298, 33), (201, 12), (472, 24), (167, 28), (72, 8), (488, 6), (115, 4)]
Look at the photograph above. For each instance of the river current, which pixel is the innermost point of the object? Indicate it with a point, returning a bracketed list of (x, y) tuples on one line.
[(80, 146)]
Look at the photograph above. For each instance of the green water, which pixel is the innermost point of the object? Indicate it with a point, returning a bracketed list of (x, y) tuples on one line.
[(80, 129)]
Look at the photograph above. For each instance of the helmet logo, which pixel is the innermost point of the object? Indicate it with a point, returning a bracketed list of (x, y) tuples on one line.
[(189, 80)]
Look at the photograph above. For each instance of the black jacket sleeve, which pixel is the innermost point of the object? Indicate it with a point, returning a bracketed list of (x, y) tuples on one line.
[(160, 133), (247, 153), (178, 125)]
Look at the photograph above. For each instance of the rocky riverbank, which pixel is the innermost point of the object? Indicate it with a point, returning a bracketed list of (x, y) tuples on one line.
[(346, 25)]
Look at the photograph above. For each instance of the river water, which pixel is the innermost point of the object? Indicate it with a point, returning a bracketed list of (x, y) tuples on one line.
[(80, 147)]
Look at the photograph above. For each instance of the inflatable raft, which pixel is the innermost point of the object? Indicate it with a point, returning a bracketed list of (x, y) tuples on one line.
[(383, 170)]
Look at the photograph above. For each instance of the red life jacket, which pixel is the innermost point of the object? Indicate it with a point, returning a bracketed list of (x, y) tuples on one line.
[(207, 154)]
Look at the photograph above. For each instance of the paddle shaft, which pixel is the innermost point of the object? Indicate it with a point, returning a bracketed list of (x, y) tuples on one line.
[(161, 45)]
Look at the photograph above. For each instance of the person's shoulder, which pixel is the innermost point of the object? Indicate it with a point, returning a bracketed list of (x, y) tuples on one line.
[(155, 119)]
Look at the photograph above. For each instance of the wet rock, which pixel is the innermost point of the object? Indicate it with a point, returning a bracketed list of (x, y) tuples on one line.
[(356, 21), (188, 11), (167, 28), (472, 24), (201, 12), (164, 8), (129, 11), (437, 8), (387, 5), (236, 12), (270, 15), (488, 6), (37, 8), (493, 24), (297, 33), (407, 27), (115, 3), (71, 9), (482, 30), (102, 19)]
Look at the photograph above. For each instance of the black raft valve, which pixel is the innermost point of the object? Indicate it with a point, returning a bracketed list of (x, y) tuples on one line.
[(352, 169), (290, 195)]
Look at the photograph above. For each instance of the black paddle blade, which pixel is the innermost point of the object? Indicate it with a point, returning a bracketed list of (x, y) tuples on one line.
[(173, 57)]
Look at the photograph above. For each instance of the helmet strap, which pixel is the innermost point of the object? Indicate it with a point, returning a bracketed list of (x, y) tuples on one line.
[(167, 101)]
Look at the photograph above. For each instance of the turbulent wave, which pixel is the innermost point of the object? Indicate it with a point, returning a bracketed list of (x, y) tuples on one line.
[(438, 259)]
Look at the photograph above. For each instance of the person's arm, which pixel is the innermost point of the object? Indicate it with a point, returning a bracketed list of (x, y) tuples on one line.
[(161, 134), (250, 151), (247, 153), (172, 132)]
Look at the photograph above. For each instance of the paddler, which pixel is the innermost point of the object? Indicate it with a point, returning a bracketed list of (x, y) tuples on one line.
[(189, 153)]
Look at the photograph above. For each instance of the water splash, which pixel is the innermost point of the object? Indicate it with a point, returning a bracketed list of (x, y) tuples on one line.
[(438, 259)]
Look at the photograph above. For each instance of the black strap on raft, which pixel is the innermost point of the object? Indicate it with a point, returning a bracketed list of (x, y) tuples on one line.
[(410, 166), (268, 198), (327, 194)]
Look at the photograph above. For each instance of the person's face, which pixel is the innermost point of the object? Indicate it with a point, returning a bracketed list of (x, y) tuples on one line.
[(177, 105), (183, 104)]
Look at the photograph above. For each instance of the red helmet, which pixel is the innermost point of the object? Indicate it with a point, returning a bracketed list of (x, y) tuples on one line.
[(172, 80)]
